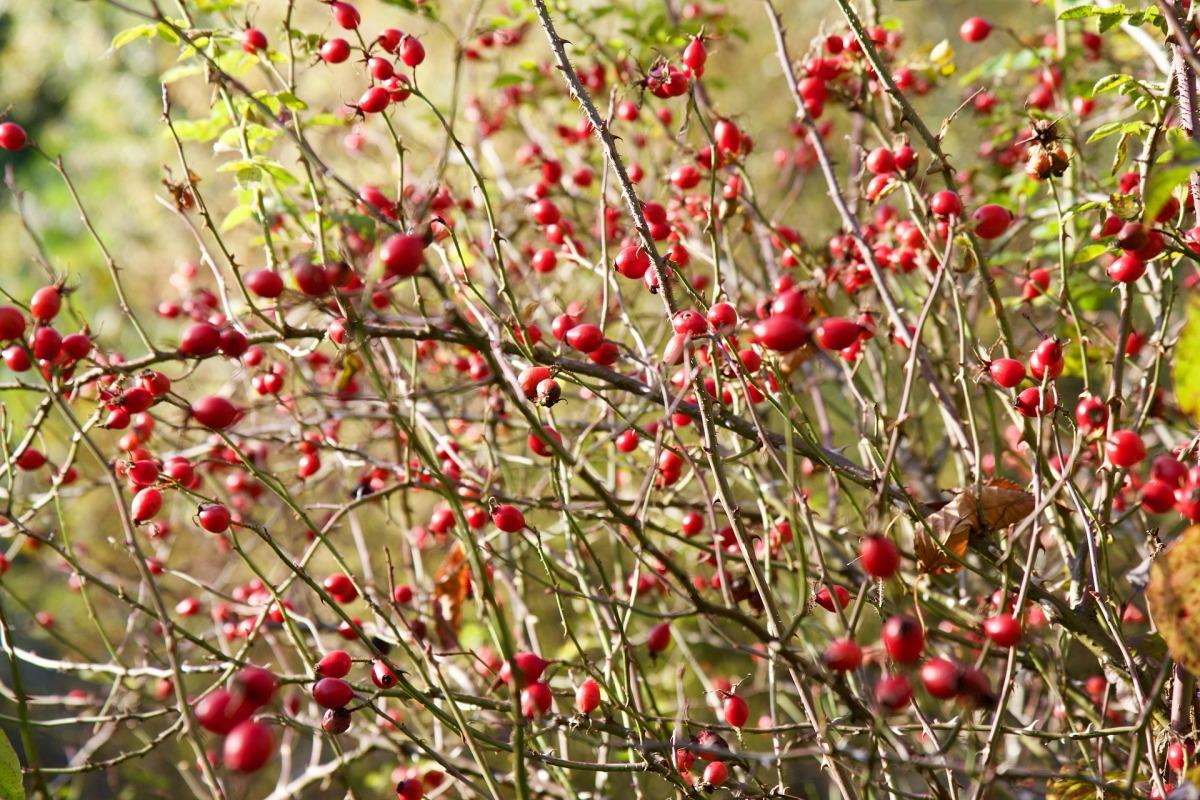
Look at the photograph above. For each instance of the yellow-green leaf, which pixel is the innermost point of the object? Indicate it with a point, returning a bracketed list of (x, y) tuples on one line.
[(236, 217), (1185, 368), (132, 35), (12, 787)]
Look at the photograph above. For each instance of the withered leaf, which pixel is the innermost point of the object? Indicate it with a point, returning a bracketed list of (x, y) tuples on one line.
[(1174, 598), (452, 585), (1000, 504), (790, 362), (351, 365)]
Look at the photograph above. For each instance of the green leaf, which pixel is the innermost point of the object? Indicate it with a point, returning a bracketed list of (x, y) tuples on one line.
[(1110, 82), (198, 130), (237, 216), (12, 786), (290, 100), (327, 119), (180, 72), (235, 62), (276, 171), (1163, 182), (132, 35), (1133, 128), (1083, 12), (508, 79), (1185, 367), (1086, 254)]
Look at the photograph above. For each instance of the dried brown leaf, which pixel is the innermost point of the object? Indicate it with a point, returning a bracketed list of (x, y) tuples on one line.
[(451, 587), (1174, 598), (1000, 504), (790, 362)]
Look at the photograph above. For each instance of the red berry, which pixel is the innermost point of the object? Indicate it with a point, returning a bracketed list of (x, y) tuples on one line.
[(587, 696), (893, 692), (1158, 496), (253, 40), (991, 221), (736, 711), (544, 260), (632, 262), (722, 317), (781, 332), (1126, 269), (975, 29), (827, 601), (585, 338), (879, 556), (410, 789), (1124, 449), (221, 711), (945, 204), (336, 721), (146, 504), (382, 675), (727, 136), (374, 100), (340, 587), (412, 52), (843, 655), (508, 518), (45, 303), (332, 693), (1007, 372), (881, 161), (1091, 414), (536, 700), (345, 15), (530, 667), (1178, 754), (214, 412), (214, 518), (334, 664), (12, 136), (402, 254), (689, 322), (47, 344), (248, 747), (1003, 630), (12, 324), (311, 279), (538, 444), (940, 678), (76, 346), (659, 638), (256, 685), (335, 51), (1032, 402), (200, 340), (716, 773), (904, 639), (695, 55), (835, 333)]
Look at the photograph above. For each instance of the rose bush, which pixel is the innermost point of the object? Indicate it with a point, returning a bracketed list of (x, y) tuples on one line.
[(517, 428)]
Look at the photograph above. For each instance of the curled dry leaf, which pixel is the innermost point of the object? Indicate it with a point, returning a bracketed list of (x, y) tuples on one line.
[(1174, 598), (452, 585), (1000, 504), (790, 362)]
